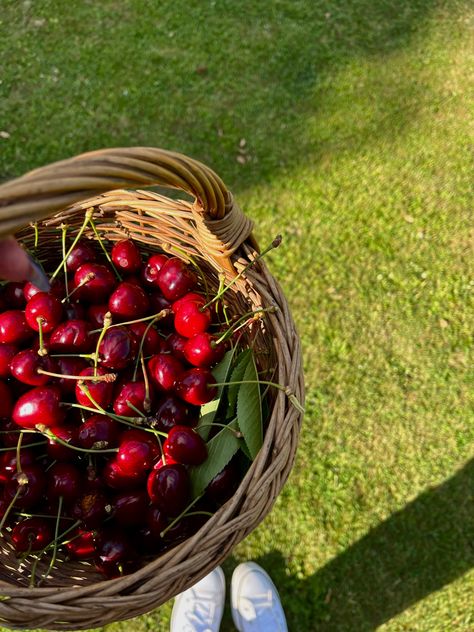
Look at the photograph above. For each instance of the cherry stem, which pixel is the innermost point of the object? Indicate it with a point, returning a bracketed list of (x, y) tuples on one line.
[(159, 316), (288, 392), (249, 317), (18, 454), (86, 279), (42, 351), (12, 503), (142, 342), (147, 400), (87, 217), (106, 325), (55, 541), (108, 377), (181, 515), (275, 243), (50, 435), (30, 445), (236, 433), (64, 228), (23, 514), (34, 226), (101, 243)]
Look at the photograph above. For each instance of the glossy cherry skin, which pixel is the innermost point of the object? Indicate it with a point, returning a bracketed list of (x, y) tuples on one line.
[(192, 297), (115, 556), (156, 521), (64, 479), (69, 366), (32, 534), (137, 434), (96, 314), (150, 271), (176, 344), (116, 479), (126, 256), (184, 445), (134, 456), (6, 403), (130, 508), (100, 431), (133, 393), (169, 489), (40, 405), (96, 280), (74, 311), (191, 319), (117, 348), (175, 278), (128, 302), (13, 328), (173, 411), (91, 508), (165, 371), (223, 485), (81, 545), (58, 451), (152, 341), (196, 386), (203, 350), (101, 392), (12, 432), (24, 367), (45, 307), (72, 336), (80, 254), (14, 296), (159, 303), (8, 462), (31, 483), (58, 289), (7, 352)]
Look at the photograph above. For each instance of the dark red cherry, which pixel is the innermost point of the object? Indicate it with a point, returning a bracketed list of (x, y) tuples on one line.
[(203, 350), (175, 278), (69, 366), (147, 542), (11, 432), (80, 544), (156, 520), (126, 256), (183, 529), (176, 345), (151, 269), (96, 314), (115, 556), (134, 456), (137, 434), (58, 289), (165, 370), (14, 296), (196, 386), (133, 393), (99, 431), (118, 348), (152, 341), (223, 485), (101, 392), (74, 311), (130, 508), (32, 534), (159, 303), (25, 365), (80, 254), (28, 486), (128, 302), (6, 403), (7, 352), (96, 280), (58, 451), (64, 479), (91, 508), (173, 411), (185, 446), (72, 336), (40, 405), (13, 328), (44, 307), (167, 460), (8, 462), (169, 489), (189, 297), (115, 478)]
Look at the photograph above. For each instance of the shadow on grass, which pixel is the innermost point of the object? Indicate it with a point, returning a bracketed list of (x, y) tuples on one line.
[(416, 551)]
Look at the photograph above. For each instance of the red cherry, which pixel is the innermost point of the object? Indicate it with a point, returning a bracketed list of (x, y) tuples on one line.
[(58, 289), (157, 304), (44, 307), (152, 343), (118, 348), (96, 314), (74, 311), (91, 508), (115, 556), (223, 485), (80, 254), (72, 336), (192, 297), (32, 534), (151, 269), (115, 478), (134, 456), (128, 301), (13, 328), (101, 392), (11, 432), (161, 463), (7, 352), (69, 366), (156, 521), (136, 434), (202, 350), (133, 393), (30, 484), (173, 411), (175, 278), (64, 479), (40, 405), (96, 280), (14, 296), (126, 256), (191, 319), (6, 403), (24, 367), (165, 370), (185, 446), (99, 429), (130, 508), (196, 386), (176, 345), (169, 489), (81, 545), (58, 451), (147, 542), (8, 462)]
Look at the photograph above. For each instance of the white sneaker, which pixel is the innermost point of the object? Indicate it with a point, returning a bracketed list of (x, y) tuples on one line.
[(256, 605), (200, 608)]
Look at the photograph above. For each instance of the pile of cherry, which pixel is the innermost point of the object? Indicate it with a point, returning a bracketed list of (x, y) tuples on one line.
[(101, 383)]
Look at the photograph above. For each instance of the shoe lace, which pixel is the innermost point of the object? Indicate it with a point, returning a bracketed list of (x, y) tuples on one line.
[(200, 614)]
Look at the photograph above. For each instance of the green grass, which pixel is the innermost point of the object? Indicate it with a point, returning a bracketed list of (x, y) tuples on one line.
[(357, 120)]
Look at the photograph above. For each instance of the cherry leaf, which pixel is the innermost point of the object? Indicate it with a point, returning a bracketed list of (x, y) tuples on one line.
[(237, 375), (249, 409), (209, 411)]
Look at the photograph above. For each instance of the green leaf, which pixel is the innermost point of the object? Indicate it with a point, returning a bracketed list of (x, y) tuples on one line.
[(237, 375), (221, 448), (249, 409), (209, 411)]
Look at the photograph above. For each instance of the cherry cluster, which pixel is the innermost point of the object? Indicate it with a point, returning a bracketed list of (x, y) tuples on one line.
[(101, 383)]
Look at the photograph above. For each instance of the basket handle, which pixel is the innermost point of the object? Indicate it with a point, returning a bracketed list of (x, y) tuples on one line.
[(221, 225)]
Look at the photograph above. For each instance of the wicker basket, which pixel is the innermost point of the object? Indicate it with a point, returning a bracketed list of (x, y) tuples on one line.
[(211, 229)]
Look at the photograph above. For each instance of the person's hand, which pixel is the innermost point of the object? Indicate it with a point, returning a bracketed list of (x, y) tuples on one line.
[(17, 265)]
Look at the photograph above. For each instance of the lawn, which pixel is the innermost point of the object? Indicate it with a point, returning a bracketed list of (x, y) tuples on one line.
[(346, 125)]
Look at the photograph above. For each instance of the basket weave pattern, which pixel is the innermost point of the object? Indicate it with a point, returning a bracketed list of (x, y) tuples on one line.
[(210, 230)]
